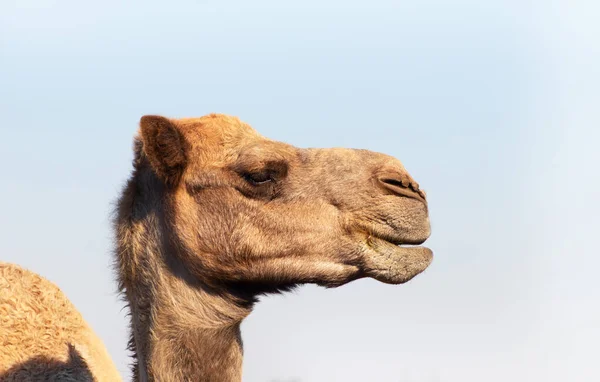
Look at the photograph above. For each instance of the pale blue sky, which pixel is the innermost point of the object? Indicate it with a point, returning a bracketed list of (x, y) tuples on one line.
[(493, 106)]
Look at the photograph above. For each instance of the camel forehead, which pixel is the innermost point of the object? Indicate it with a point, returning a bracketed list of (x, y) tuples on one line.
[(217, 130), (218, 140)]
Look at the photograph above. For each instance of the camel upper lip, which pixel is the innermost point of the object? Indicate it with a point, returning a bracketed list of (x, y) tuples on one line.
[(396, 240), (390, 234), (399, 242)]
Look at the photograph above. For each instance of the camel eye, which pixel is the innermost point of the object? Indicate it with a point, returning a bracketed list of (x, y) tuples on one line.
[(258, 178)]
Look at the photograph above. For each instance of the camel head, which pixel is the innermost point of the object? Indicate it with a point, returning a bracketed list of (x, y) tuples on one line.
[(242, 209)]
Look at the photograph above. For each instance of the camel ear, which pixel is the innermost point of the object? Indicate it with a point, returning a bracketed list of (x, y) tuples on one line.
[(165, 147)]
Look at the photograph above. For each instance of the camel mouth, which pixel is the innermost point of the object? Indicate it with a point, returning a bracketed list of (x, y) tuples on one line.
[(394, 262)]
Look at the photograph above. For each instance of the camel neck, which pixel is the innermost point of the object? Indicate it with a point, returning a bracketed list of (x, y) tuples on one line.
[(182, 330), (196, 355), (192, 336)]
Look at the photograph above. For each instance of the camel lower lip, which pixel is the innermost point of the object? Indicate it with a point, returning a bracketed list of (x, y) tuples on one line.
[(395, 264)]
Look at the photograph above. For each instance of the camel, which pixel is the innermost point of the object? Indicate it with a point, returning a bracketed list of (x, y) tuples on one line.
[(43, 337), (215, 215)]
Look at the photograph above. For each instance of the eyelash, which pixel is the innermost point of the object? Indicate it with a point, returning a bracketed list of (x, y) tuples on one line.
[(251, 178)]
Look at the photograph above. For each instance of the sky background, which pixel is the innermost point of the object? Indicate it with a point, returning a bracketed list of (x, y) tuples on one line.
[(493, 106)]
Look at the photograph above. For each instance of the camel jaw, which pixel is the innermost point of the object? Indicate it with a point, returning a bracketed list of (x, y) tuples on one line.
[(395, 264)]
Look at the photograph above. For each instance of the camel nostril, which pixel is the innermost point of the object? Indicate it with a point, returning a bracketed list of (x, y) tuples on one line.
[(403, 187), (394, 182)]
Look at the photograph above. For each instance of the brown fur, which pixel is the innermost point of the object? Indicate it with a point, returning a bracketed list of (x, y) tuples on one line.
[(215, 214), (43, 336)]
